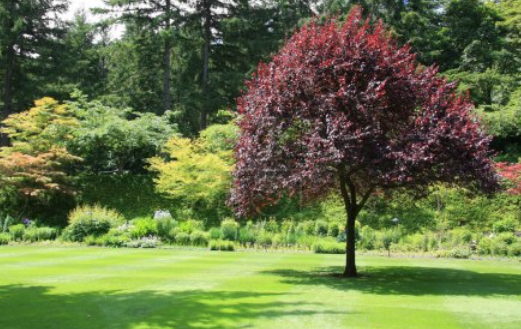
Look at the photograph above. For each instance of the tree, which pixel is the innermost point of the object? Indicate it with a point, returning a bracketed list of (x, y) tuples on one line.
[(36, 163), (349, 108), (161, 17), (29, 34), (197, 172), (111, 139)]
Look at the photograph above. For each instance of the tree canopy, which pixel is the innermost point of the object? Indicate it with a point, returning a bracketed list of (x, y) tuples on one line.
[(348, 107)]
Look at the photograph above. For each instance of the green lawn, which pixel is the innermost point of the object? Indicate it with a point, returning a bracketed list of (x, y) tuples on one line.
[(74, 288)]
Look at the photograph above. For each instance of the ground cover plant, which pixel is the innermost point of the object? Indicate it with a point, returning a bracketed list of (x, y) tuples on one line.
[(70, 287)]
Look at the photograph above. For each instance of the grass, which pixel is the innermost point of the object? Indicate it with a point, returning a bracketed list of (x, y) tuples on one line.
[(75, 288)]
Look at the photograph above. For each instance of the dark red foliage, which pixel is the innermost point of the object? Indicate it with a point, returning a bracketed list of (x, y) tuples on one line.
[(511, 174), (347, 101)]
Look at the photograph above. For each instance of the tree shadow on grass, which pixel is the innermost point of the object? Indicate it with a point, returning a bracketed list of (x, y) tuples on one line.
[(39, 307), (413, 281)]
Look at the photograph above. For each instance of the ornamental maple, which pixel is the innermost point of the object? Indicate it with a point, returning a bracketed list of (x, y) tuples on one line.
[(343, 106)]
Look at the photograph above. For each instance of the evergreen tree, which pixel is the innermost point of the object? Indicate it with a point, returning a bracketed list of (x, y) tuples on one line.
[(30, 37)]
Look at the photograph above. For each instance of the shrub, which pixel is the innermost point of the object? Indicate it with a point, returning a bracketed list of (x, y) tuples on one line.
[(93, 240), (460, 236), (215, 233), (229, 230), (191, 225), (321, 228), (460, 252), (164, 226), (306, 228), (288, 227), (92, 220), (264, 239), (115, 238), (333, 230), (246, 235), (514, 249), (484, 247), (505, 225), (278, 240), (385, 239), (272, 226), (506, 237), (182, 239), (17, 231), (46, 233), (499, 247), (31, 234), (324, 247), (143, 227), (199, 238), (220, 245), (368, 238), (5, 238)]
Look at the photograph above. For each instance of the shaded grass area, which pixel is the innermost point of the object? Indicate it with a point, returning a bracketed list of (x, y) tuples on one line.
[(76, 288)]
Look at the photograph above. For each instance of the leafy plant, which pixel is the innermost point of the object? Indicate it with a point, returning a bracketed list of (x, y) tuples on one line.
[(17, 231), (143, 227), (229, 230), (92, 220)]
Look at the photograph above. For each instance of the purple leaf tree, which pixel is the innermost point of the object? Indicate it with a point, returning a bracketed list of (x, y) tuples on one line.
[(342, 107)]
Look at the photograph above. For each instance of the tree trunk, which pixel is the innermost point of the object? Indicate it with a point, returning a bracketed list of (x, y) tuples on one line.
[(351, 208), (8, 91), (350, 269), (167, 97), (206, 63)]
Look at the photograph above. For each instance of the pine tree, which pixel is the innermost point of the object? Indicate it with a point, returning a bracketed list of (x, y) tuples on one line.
[(30, 32)]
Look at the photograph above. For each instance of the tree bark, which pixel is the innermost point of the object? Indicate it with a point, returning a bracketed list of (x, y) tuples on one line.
[(350, 269), (206, 62), (351, 212), (167, 97), (8, 90)]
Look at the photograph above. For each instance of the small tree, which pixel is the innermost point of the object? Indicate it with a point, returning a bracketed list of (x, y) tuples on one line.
[(348, 108), (36, 164)]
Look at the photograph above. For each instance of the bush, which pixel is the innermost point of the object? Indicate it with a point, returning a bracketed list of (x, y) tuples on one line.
[(287, 227), (514, 249), (321, 228), (182, 239), (368, 238), (143, 227), (199, 238), (46, 233), (91, 220), (460, 253), (5, 238), (215, 233), (333, 230), (220, 245), (264, 239), (31, 234), (17, 231), (484, 246), (506, 225), (115, 238), (164, 226), (191, 225), (306, 228), (229, 230), (246, 236), (272, 226), (324, 247)]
